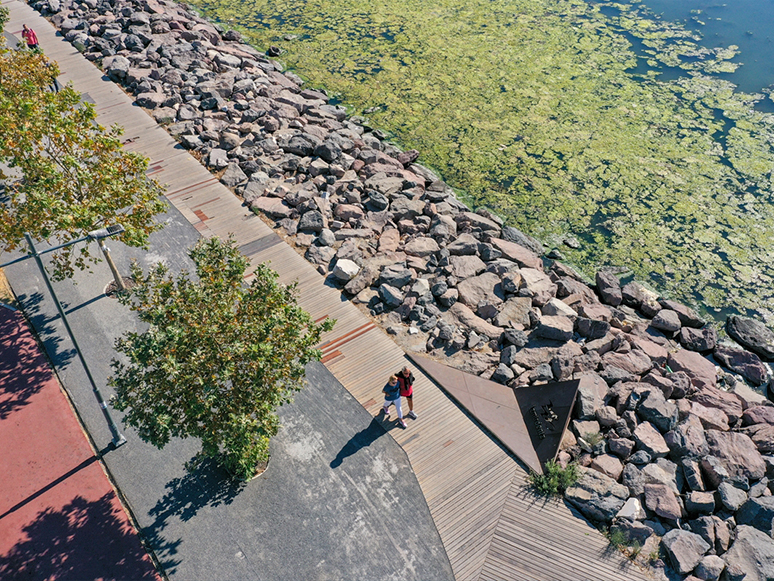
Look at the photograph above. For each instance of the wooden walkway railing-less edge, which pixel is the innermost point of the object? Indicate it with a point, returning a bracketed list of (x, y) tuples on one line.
[(475, 490)]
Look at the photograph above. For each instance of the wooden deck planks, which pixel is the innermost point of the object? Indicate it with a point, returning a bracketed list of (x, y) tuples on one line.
[(490, 529)]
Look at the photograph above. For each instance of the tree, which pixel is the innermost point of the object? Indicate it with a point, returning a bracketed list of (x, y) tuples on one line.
[(218, 358), (65, 174)]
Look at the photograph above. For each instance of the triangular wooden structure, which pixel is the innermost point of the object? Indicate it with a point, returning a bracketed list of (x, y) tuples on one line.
[(530, 421)]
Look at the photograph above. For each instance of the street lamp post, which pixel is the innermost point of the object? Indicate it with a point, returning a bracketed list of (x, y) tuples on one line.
[(118, 438)]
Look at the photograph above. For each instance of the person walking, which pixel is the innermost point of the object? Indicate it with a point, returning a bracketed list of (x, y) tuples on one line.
[(30, 37), (392, 397), (406, 382)]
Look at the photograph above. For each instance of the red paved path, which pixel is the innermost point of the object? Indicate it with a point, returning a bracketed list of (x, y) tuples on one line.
[(60, 517)]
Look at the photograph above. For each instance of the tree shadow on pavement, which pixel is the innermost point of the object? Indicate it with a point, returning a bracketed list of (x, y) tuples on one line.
[(362, 439), (46, 328), (207, 485), (23, 368), (83, 540)]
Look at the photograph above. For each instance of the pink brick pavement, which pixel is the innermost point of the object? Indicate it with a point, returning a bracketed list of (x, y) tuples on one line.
[(60, 517)]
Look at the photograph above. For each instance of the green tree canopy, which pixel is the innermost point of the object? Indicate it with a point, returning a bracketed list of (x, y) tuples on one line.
[(64, 174), (218, 358)]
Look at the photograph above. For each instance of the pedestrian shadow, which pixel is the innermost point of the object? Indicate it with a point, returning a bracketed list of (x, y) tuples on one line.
[(82, 540), (362, 439), (24, 369)]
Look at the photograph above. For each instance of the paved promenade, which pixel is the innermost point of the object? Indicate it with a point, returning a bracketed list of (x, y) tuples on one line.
[(60, 517), (475, 491)]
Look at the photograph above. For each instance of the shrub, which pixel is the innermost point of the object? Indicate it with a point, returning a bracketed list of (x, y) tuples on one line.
[(555, 480)]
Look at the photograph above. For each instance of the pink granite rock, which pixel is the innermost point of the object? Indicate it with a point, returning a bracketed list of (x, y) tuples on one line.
[(711, 418), (608, 465), (634, 362), (738, 454), (661, 500), (518, 253), (726, 402), (763, 437), (650, 439), (696, 366), (760, 414)]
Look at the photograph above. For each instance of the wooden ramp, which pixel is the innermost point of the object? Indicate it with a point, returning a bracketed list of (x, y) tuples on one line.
[(491, 527)]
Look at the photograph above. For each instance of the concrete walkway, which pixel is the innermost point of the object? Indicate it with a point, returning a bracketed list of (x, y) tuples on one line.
[(60, 517)]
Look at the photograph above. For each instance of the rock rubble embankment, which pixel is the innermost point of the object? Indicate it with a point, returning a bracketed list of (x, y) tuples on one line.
[(676, 449)]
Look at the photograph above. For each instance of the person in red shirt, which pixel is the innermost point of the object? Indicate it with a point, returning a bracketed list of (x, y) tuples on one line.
[(406, 381), (29, 35)]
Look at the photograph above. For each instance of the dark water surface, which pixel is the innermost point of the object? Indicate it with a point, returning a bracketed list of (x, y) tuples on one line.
[(749, 24)]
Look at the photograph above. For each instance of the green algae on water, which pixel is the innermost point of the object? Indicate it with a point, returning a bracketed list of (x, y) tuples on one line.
[(544, 111)]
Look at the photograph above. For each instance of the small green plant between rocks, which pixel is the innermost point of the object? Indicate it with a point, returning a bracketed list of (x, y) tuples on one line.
[(555, 480), (593, 438)]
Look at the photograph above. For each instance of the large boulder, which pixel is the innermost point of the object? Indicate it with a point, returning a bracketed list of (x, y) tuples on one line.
[(759, 414), (608, 465), (311, 221), (466, 266), (710, 568), (389, 240), (758, 513), (648, 438), (687, 439), (518, 253), (710, 418), (702, 340), (635, 478), (661, 500), (731, 497), (635, 362), (746, 364), (511, 234), (464, 244), (634, 294), (738, 454), (421, 246), (233, 176), (763, 437), (597, 496), (752, 335), (657, 410), (532, 357), (483, 288), (685, 549), (514, 313), (396, 276), (751, 557), (391, 296), (697, 502), (688, 317), (556, 307), (656, 352), (591, 396), (463, 316), (273, 207), (555, 328), (538, 284), (345, 270), (667, 321), (698, 368), (609, 288), (726, 402)]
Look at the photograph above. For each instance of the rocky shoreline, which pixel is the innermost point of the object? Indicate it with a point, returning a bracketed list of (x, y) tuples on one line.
[(676, 449)]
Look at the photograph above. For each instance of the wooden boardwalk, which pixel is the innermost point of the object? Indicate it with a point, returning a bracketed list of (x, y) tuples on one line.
[(491, 527)]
